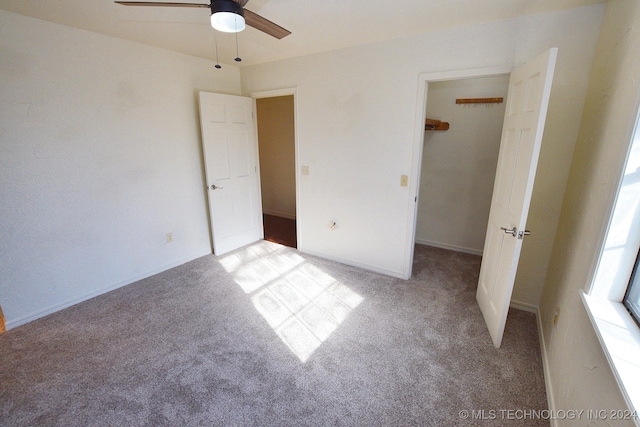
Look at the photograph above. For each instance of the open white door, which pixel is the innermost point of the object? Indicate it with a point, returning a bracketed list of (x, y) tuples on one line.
[(526, 111), (230, 149)]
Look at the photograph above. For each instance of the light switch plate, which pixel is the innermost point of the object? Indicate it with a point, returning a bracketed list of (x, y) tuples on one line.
[(404, 180)]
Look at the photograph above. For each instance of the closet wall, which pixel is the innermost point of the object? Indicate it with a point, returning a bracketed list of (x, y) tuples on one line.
[(459, 164)]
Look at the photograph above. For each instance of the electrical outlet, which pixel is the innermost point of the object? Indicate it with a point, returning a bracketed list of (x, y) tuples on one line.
[(170, 237), (555, 317), (305, 170)]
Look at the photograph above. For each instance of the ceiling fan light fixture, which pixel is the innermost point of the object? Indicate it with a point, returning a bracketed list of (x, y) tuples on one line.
[(227, 16)]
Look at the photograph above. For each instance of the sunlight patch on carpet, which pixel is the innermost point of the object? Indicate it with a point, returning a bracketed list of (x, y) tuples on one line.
[(300, 302)]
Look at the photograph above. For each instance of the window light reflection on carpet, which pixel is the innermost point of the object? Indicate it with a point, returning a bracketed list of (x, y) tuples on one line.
[(300, 302)]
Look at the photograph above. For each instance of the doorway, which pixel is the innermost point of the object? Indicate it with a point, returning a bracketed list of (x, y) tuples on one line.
[(459, 164), (424, 81), (276, 140), (522, 131)]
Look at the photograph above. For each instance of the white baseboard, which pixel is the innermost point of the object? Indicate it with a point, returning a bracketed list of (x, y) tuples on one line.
[(545, 368), (543, 351), (280, 214), (363, 266), (73, 301), (449, 247), (524, 306)]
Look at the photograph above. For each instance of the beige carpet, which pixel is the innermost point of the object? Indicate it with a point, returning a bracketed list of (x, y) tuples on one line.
[(267, 336)]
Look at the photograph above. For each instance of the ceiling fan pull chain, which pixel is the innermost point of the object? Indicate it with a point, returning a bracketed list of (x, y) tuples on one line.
[(237, 58), (215, 35)]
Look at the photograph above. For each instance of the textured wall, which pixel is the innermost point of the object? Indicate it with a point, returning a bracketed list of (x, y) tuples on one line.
[(580, 375), (459, 165), (99, 158), (276, 137)]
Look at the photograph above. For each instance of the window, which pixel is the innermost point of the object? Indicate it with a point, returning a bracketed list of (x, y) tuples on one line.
[(613, 298), (632, 297)]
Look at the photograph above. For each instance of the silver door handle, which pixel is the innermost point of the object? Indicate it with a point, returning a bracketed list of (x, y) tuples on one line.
[(523, 233), (513, 231), (215, 187)]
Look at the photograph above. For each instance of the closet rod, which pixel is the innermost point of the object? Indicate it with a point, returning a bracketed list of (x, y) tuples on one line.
[(479, 101)]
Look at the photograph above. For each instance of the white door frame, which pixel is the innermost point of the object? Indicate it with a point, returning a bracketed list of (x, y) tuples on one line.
[(286, 92), (418, 142)]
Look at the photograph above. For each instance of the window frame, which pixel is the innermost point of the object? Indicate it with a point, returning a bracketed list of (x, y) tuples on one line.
[(603, 298), (631, 298)]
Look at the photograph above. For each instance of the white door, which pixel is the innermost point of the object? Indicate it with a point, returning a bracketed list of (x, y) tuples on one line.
[(528, 97), (230, 148)]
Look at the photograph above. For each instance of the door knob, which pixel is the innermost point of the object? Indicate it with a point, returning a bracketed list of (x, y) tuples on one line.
[(513, 231), (215, 187), (523, 233)]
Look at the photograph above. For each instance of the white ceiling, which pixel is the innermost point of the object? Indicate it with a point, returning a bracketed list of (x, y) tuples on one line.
[(316, 25)]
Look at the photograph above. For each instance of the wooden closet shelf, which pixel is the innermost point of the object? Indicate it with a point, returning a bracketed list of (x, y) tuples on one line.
[(431, 124)]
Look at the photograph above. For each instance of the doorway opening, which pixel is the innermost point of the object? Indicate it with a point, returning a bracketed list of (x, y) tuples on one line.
[(276, 141), (425, 81), (522, 131), (458, 165)]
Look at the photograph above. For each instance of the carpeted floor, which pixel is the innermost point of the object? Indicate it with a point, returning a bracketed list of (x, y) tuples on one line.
[(266, 336)]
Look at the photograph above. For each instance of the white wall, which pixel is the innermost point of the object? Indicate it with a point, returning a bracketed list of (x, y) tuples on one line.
[(99, 158), (356, 110), (459, 164), (579, 372), (276, 140)]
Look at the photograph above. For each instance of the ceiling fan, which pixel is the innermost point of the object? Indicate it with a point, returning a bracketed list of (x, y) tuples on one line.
[(226, 15)]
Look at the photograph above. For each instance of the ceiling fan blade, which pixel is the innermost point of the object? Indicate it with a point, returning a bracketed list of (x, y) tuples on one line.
[(264, 25), (155, 3), (252, 19)]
